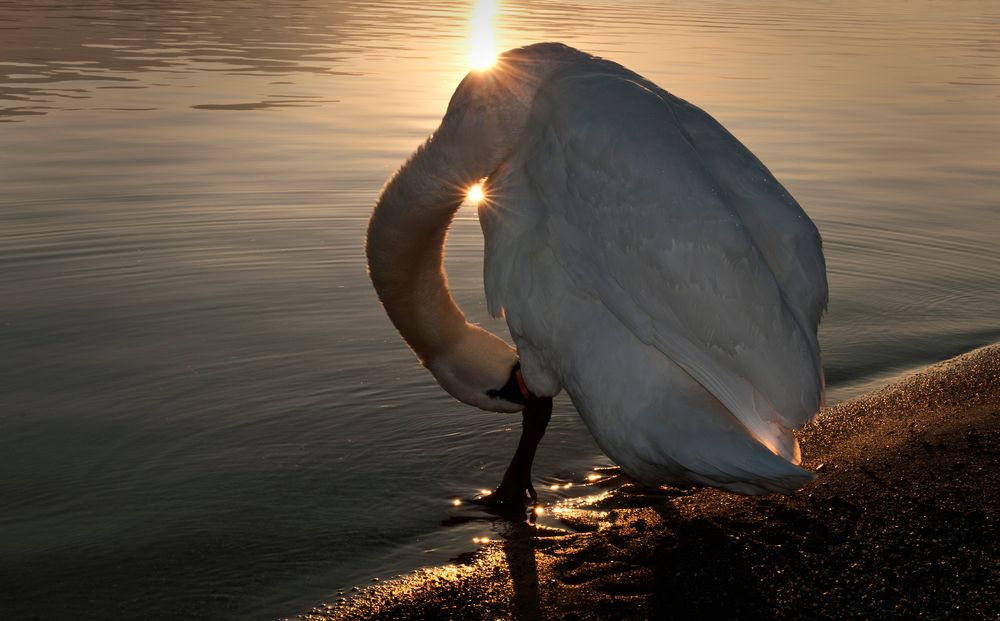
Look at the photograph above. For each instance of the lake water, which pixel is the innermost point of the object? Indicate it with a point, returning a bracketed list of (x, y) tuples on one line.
[(204, 412)]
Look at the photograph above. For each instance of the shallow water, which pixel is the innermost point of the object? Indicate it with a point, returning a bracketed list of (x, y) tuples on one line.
[(204, 412)]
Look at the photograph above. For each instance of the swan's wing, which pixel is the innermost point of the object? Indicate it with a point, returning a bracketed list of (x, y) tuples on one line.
[(784, 235), (652, 209)]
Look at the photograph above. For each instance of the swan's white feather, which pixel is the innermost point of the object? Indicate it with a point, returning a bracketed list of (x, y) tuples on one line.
[(646, 261)]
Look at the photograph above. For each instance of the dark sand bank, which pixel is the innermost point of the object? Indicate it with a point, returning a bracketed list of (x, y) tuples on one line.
[(902, 522)]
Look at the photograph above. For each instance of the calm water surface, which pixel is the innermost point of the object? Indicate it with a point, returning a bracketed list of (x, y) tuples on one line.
[(204, 412)]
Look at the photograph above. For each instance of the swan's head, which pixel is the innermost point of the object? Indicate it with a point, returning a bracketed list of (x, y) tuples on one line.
[(475, 370)]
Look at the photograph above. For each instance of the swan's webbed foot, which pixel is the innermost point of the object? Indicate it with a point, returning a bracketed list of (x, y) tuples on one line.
[(515, 494), (509, 499)]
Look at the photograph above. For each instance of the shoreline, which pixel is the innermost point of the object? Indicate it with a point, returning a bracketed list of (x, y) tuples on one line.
[(902, 520)]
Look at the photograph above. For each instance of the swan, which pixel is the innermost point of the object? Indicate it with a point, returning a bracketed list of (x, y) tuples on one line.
[(644, 260)]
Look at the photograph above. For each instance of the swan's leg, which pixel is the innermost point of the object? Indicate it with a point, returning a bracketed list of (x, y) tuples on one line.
[(515, 491)]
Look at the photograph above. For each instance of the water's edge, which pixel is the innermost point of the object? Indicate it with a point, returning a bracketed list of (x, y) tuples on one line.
[(923, 411)]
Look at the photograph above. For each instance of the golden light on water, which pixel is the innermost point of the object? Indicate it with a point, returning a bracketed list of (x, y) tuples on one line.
[(476, 194), (482, 51)]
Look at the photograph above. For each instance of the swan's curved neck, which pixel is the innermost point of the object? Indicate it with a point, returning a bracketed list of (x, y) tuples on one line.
[(405, 248)]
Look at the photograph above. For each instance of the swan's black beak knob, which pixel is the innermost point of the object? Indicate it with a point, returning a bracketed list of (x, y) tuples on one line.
[(515, 389)]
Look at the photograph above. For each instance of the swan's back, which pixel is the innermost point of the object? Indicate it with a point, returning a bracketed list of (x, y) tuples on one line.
[(651, 265)]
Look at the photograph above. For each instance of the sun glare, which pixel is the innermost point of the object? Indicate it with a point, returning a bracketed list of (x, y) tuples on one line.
[(476, 194), (482, 52)]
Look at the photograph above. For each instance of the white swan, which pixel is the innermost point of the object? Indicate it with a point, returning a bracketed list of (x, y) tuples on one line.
[(645, 261)]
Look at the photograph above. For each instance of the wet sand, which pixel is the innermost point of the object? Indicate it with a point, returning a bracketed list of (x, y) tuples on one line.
[(901, 522)]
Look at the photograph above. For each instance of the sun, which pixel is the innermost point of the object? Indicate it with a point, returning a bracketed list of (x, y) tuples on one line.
[(482, 52), (476, 194)]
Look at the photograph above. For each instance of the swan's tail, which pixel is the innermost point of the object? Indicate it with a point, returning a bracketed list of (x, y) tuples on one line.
[(664, 428), (755, 471)]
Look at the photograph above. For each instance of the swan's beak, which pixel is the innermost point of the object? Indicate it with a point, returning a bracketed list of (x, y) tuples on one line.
[(515, 389)]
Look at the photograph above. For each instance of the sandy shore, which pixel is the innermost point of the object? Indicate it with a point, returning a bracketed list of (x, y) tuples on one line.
[(902, 522)]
